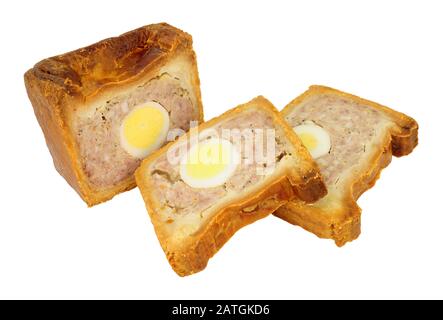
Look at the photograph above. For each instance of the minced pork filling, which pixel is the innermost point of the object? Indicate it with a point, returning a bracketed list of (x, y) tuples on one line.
[(104, 160), (352, 127)]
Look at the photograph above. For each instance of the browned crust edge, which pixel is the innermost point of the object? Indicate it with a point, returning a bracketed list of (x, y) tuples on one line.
[(344, 224), (192, 256), (55, 90)]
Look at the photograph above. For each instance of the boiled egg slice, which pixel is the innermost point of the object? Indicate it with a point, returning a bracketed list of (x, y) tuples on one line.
[(209, 163), (314, 138), (144, 129)]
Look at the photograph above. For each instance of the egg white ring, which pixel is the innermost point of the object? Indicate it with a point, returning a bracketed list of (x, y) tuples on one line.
[(217, 180), (141, 153), (322, 136)]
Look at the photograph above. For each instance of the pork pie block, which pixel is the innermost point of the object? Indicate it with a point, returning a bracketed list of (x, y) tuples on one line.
[(105, 107)]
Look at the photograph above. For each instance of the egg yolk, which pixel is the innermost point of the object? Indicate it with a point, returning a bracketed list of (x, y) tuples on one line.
[(308, 140), (143, 127), (208, 160)]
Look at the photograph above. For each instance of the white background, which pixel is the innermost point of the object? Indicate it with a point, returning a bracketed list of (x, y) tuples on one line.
[(52, 246)]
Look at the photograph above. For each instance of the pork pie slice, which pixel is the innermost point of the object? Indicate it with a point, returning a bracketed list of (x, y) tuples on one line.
[(221, 176), (352, 140)]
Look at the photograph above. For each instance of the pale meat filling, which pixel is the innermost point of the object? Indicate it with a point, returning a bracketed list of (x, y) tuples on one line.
[(104, 161), (354, 130), (178, 200)]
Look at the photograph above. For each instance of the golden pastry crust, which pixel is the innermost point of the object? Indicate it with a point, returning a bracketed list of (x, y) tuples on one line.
[(342, 221), (192, 254), (60, 86)]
